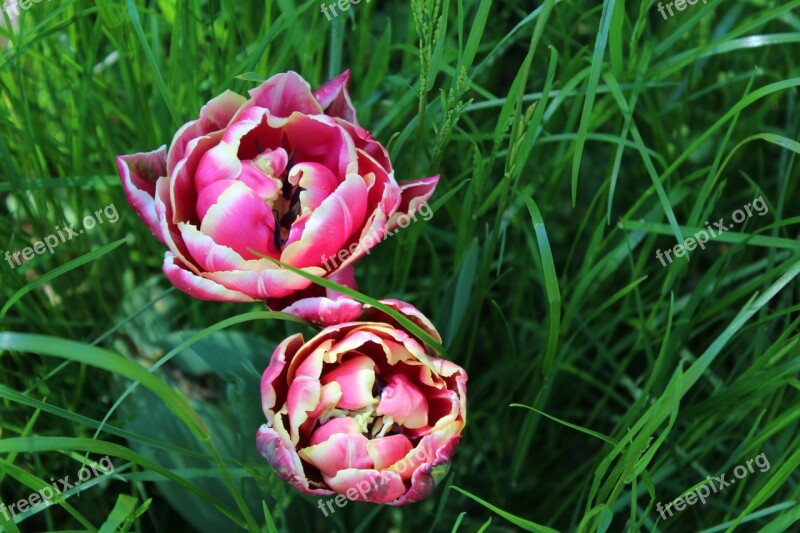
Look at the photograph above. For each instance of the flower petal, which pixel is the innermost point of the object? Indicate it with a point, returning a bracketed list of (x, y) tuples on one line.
[(429, 473), (271, 387), (330, 395), (318, 309), (139, 173), (335, 98), (219, 163), (386, 451), (331, 225), (339, 452), (321, 139), (303, 397), (356, 376), (214, 116), (414, 194), (325, 311), (196, 286), (283, 94), (344, 425), (367, 485), (318, 182), (406, 309), (264, 284), (241, 220), (284, 460), (404, 402)]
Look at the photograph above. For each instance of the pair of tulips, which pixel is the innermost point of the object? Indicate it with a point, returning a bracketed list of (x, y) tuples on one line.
[(289, 174)]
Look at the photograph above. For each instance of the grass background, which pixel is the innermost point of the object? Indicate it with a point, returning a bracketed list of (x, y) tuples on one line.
[(574, 139)]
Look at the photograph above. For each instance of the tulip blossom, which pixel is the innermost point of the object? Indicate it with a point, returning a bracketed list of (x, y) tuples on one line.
[(362, 409), (287, 174)]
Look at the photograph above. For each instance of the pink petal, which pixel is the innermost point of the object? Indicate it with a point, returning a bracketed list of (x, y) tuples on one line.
[(321, 139), (367, 485), (241, 220), (406, 309), (317, 311), (182, 189), (303, 397), (283, 94), (365, 142), (169, 231), (219, 163), (339, 452), (414, 194), (374, 229), (284, 460), (331, 225), (270, 387), (214, 116), (386, 451), (329, 398), (209, 195), (384, 191), (270, 283), (335, 98), (325, 311), (356, 376), (429, 474), (273, 162), (262, 173), (404, 402), (318, 182), (265, 186), (345, 277), (139, 173), (209, 255), (344, 425), (196, 286)]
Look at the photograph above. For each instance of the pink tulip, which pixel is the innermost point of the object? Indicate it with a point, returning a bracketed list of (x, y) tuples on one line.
[(362, 409), (287, 174)]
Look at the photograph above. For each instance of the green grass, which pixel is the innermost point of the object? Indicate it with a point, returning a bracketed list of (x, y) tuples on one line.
[(574, 139)]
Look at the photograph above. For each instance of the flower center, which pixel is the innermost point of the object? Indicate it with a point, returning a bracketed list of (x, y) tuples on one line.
[(286, 207)]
